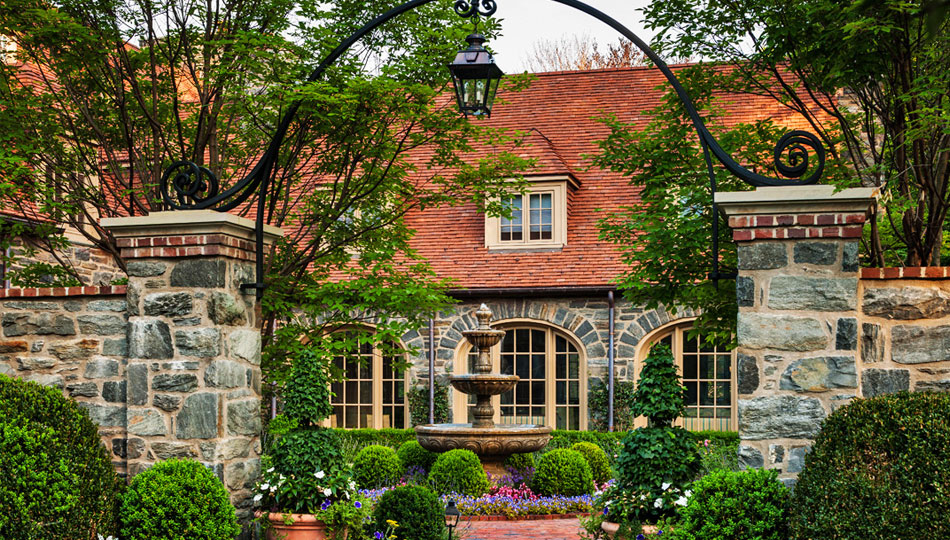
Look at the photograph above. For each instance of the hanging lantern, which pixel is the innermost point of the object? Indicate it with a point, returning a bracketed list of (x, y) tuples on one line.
[(476, 78)]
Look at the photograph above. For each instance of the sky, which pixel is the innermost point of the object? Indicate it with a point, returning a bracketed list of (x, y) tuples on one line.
[(525, 22)]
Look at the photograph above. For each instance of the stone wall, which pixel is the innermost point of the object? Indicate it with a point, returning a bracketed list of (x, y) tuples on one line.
[(94, 266), (168, 366), (904, 322), (194, 344), (797, 331), (73, 339), (194, 369)]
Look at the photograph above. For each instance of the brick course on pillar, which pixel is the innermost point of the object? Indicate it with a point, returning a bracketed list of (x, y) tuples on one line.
[(797, 290), (193, 374)]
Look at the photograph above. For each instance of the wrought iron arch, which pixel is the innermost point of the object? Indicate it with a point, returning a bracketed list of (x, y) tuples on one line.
[(196, 187)]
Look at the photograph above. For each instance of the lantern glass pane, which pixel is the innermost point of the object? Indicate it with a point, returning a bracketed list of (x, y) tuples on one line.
[(491, 93)]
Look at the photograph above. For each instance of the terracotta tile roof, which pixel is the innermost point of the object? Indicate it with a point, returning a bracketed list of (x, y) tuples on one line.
[(558, 112)]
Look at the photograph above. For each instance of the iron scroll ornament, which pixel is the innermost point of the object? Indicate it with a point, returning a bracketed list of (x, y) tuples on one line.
[(196, 187), (485, 8)]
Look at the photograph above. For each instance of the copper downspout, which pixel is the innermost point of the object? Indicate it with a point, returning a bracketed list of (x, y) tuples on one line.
[(610, 362), (431, 371)]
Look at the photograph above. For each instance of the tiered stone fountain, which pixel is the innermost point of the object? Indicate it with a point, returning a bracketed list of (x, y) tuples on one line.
[(492, 443)]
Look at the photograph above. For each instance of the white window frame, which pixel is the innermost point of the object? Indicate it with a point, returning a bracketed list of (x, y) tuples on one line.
[(7, 50), (557, 187)]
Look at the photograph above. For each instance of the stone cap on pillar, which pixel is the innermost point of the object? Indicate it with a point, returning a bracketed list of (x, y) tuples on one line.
[(797, 200), (797, 212), (187, 233)]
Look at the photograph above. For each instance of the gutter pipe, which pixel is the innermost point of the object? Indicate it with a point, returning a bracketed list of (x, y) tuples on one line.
[(610, 362), (431, 370)]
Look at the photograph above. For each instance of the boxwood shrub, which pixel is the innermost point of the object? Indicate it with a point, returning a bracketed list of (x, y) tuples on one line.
[(728, 505), (56, 478), (596, 459), (412, 454), (178, 499), (563, 472), (879, 468), (522, 463), (376, 466), (459, 471), (417, 511)]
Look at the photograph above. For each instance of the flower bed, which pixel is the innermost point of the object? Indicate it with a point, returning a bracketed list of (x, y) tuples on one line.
[(511, 507)]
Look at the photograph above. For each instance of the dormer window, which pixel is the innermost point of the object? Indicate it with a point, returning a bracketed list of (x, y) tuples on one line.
[(7, 49), (538, 219)]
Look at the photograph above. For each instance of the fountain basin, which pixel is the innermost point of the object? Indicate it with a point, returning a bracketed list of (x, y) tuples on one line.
[(483, 383), (483, 338), (492, 445)]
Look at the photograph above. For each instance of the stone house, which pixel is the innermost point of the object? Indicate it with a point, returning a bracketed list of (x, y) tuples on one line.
[(546, 275)]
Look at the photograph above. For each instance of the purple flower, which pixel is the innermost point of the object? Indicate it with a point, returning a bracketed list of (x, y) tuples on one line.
[(325, 505), (358, 504), (378, 535), (639, 537), (659, 533), (605, 510)]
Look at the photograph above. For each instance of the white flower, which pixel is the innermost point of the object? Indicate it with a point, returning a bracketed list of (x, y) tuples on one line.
[(681, 501), (265, 487), (658, 503), (270, 470), (320, 474), (688, 493), (258, 497), (665, 486), (327, 492), (352, 484)]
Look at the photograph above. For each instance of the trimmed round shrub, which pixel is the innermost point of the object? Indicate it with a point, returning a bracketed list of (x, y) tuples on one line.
[(596, 460), (178, 499), (417, 511), (459, 471), (563, 472), (728, 505), (376, 466), (520, 462), (56, 478), (412, 454), (879, 468)]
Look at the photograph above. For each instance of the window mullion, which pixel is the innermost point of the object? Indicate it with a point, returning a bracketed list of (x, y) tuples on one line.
[(377, 373), (550, 377)]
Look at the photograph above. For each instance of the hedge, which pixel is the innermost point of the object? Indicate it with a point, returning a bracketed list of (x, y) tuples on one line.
[(560, 438), (355, 439)]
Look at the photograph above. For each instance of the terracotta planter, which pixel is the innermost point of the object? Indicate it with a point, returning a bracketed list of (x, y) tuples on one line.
[(611, 529), (301, 527)]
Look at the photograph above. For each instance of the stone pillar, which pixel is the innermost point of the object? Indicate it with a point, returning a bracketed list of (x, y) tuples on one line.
[(797, 291), (194, 343)]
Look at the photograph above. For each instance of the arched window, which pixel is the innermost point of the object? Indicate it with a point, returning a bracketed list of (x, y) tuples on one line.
[(708, 373), (552, 389), (373, 394)]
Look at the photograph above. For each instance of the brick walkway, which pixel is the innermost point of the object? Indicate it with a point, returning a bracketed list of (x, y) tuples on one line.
[(550, 529)]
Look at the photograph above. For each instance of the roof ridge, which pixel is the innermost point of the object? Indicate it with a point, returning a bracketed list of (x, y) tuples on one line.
[(576, 72), (555, 151)]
